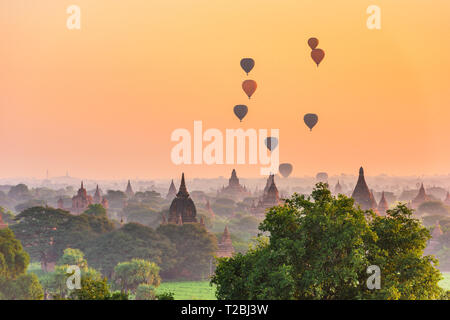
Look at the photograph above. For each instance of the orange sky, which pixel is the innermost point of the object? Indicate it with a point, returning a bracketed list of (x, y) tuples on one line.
[(102, 102)]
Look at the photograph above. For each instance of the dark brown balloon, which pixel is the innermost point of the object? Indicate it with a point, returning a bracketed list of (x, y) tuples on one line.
[(249, 87), (317, 55), (313, 43), (285, 169)]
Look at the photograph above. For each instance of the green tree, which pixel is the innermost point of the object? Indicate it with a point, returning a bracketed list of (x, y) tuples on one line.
[(145, 292), (73, 257), (46, 232), (320, 247), (142, 213), (15, 284), (19, 192), (398, 250), (29, 204), (132, 241), (195, 248), (433, 207), (130, 274), (96, 210), (55, 282), (93, 289), (168, 295), (116, 198)]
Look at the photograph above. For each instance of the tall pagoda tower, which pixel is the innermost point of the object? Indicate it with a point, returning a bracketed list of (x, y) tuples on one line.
[(81, 201), (420, 198), (129, 191), (383, 205), (225, 247), (97, 196), (362, 194), (182, 210), (172, 191), (338, 188)]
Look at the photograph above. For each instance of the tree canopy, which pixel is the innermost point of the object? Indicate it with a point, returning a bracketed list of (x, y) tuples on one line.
[(320, 247), (130, 274), (195, 248), (131, 241), (45, 232), (15, 284)]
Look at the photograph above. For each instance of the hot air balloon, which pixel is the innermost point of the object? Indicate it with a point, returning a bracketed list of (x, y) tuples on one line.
[(285, 169), (247, 64), (317, 55), (311, 120), (313, 43), (249, 87), (271, 143), (240, 111)]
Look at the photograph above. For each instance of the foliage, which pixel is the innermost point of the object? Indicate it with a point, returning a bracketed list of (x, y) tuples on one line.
[(145, 292), (433, 207), (116, 198), (129, 275), (142, 213), (29, 204), (73, 257), (19, 192), (320, 247), (131, 241), (55, 282), (46, 232), (168, 295), (95, 289), (24, 287), (96, 210), (398, 251), (195, 248), (15, 284)]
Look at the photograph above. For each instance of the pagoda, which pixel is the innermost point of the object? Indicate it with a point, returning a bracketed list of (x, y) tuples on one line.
[(172, 192), (362, 195), (382, 205), (209, 209), (129, 190), (338, 188), (420, 198), (182, 210), (270, 198), (234, 189), (225, 247), (81, 201), (98, 196)]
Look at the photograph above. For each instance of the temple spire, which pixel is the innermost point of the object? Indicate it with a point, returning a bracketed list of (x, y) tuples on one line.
[(182, 191), (362, 195), (172, 191), (383, 205), (129, 190)]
